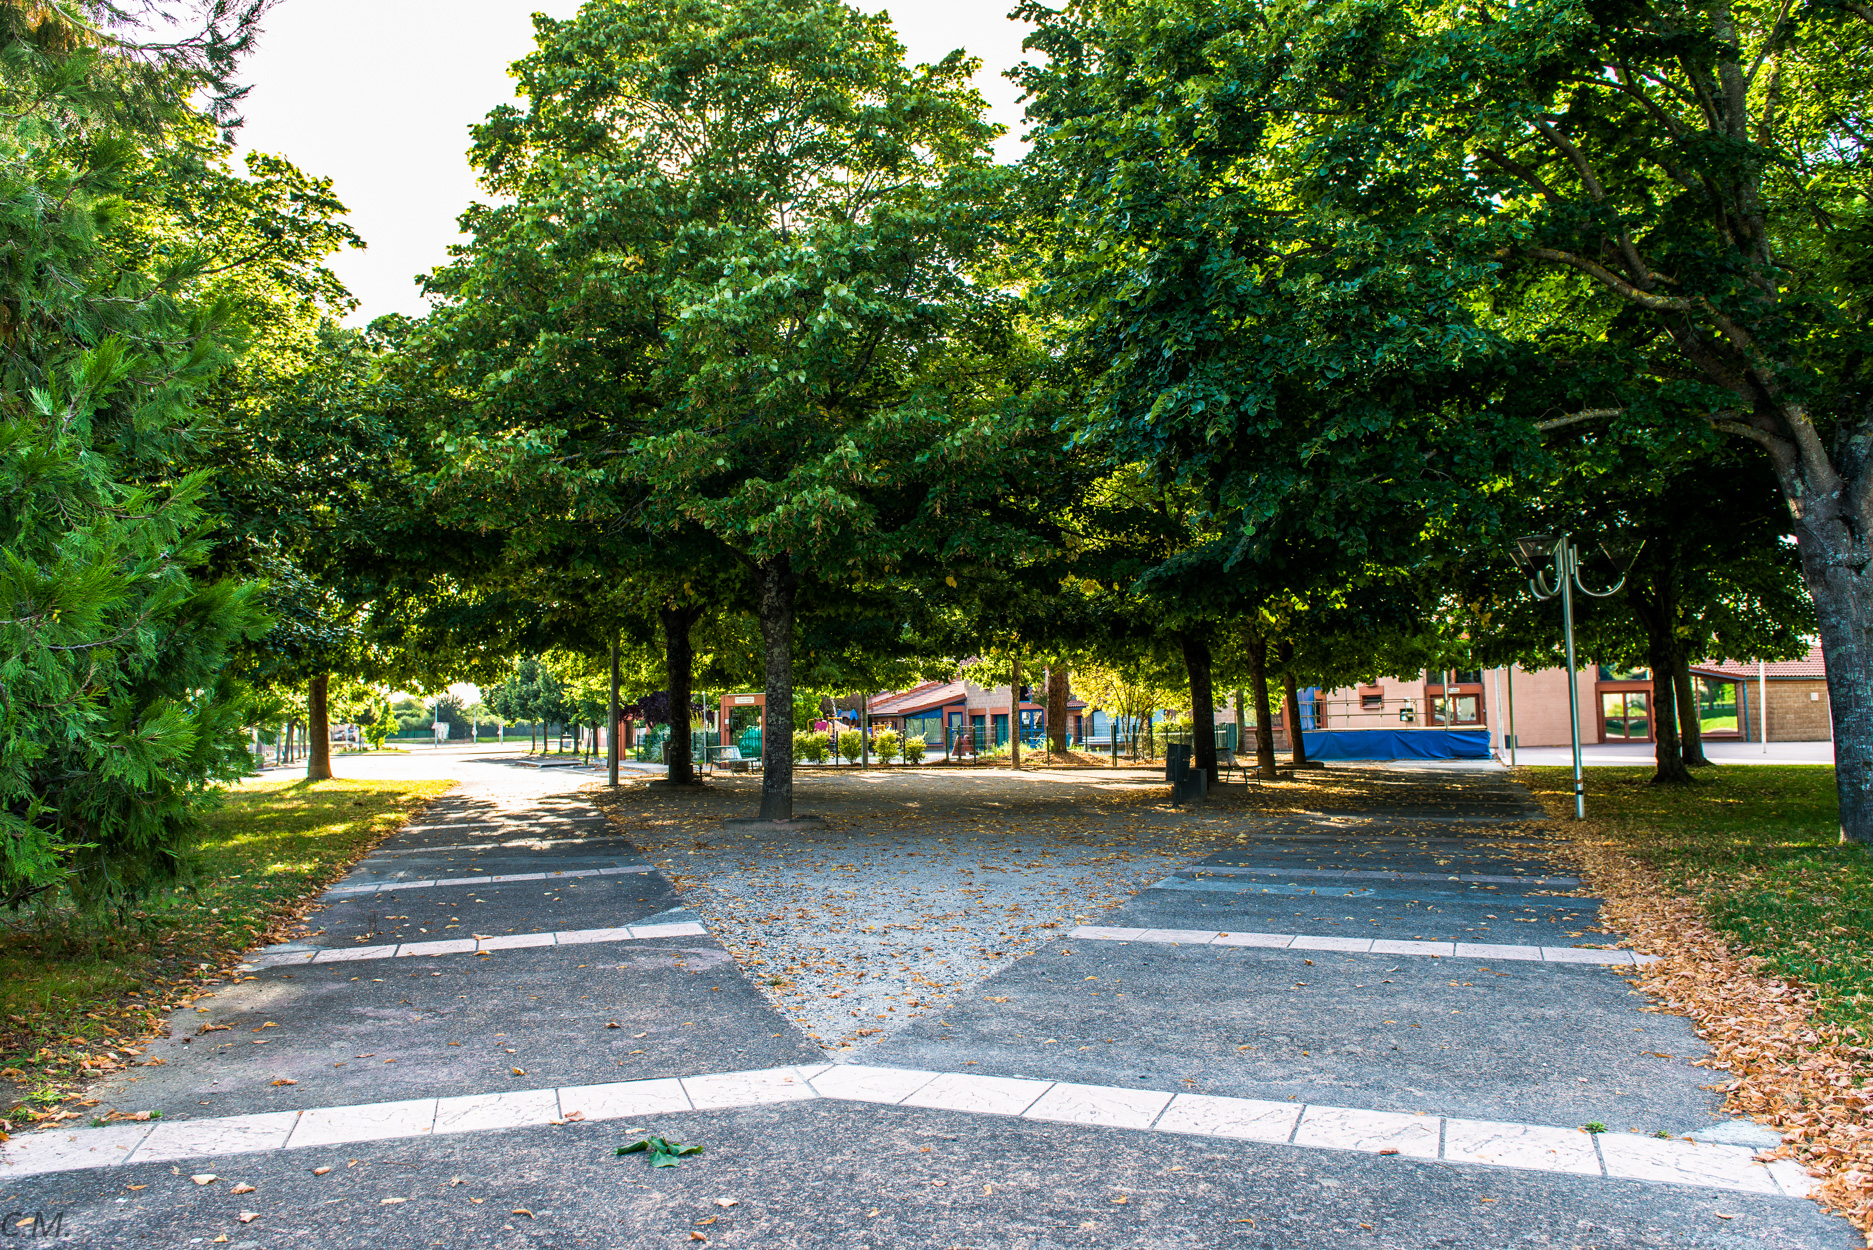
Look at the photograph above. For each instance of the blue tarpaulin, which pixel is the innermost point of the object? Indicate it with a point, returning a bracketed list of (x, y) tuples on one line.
[(1397, 744)]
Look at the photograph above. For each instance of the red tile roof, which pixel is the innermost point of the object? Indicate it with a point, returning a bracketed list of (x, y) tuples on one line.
[(931, 694), (1810, 667)]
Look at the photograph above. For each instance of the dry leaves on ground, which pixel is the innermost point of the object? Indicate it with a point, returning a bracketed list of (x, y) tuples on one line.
[(1808, 1079)]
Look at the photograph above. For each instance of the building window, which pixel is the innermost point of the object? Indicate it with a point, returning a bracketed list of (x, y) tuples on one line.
[(1626, 715), (1610, 673)]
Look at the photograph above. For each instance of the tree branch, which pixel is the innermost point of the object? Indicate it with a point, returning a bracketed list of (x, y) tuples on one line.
[(1575, 418), (1657, 303)]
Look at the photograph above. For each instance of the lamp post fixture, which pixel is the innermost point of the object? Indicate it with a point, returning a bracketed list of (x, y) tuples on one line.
[(1531, 553)]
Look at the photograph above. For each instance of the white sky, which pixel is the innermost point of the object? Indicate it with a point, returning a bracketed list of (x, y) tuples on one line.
[(379, 95)]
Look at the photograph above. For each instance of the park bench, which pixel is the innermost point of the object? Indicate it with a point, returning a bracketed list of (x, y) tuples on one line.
[(730, 758), (1226, 762)]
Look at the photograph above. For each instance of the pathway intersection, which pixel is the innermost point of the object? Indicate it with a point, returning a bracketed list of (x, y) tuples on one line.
[(976, 1010)]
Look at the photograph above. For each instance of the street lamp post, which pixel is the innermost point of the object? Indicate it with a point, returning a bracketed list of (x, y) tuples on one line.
[(1530, 553)]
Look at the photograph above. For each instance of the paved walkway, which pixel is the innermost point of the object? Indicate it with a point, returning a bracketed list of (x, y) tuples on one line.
[(1295, 1018)]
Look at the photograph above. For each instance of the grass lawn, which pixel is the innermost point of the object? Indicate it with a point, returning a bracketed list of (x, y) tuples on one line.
[(75, 998), (1758, 846)]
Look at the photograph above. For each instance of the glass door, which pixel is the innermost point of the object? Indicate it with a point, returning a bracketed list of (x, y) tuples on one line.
[(1625, 715)]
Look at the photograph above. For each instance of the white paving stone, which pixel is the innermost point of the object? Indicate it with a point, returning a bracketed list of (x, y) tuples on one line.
[(1310, 942), (686, 929), (1250, 1119), (1103, 933), (1791, 1177), (32, 1153), (988, 1095), (1182, 937), (377, 1121), (1580, 955), (1098, 1104), (518, 1109), (1388, 946), (1531, 1146), (1487, 950), (340, 954), (405, 885), (519, 876), (1343, 1128), (1632, 1157), (282, 960), (581, 937), (228, 1135), (859, 1083), (513, 941), (623, 1099), (441, 946), (747, 1089), (1280, 941)]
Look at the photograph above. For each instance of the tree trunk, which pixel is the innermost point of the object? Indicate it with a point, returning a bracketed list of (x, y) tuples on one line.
[(777, 588), (1014, 718), (1832, 537), (1264, 724), (611, 718), (1690, 720), (679, 666), (1651, 600), (318, 730), (1057, 695), (1202, 702), (1297, 745)]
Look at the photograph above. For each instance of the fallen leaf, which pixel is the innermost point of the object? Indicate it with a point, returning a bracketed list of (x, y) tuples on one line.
[(575, 1115), (728, 1202), (242, 1189), (390, 1202), (320, 1171), (518, 1071), (136, 1186), (204, 1178), (1383, 1152), (521, 1211), (285, 1080), (613, 1024), (712, 1219), (248, 1217), (695, 1236)]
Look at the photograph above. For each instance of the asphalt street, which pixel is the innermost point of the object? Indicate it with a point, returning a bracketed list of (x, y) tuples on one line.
[(575, 984)]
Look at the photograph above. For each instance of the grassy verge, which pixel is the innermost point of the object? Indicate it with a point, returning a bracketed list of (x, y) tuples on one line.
[(75, 998), (1758, 849)]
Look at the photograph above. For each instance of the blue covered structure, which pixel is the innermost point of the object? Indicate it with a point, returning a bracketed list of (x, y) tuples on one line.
[(1397, 744)]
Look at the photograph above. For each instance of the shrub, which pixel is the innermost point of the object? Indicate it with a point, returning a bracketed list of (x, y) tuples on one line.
[(851, 743), (810, 746), (914, 749), (887, 744)]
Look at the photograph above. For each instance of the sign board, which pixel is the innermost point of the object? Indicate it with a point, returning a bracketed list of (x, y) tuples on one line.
[(745, 698), (442, 731)]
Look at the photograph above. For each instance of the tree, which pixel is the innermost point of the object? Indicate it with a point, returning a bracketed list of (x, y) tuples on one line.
[(1682, 182), (120, 706), (783, 221)]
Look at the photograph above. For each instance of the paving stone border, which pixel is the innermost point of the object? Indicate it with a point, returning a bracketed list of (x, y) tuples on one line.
[(1527, 1147), (1363, 946), (471, 945), (358, 891)]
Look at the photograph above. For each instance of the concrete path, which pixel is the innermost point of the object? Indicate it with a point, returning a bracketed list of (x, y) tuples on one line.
[(450, 1053)]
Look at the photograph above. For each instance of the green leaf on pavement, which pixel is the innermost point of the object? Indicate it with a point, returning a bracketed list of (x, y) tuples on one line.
[(663, 1152)]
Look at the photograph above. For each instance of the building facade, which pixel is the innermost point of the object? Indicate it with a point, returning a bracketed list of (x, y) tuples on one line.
[(1615, 704)]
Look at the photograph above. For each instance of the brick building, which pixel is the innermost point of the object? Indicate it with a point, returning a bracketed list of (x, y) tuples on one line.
[(1615, 704)]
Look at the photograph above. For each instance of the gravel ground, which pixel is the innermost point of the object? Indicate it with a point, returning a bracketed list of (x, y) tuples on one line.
[(857, 929)]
